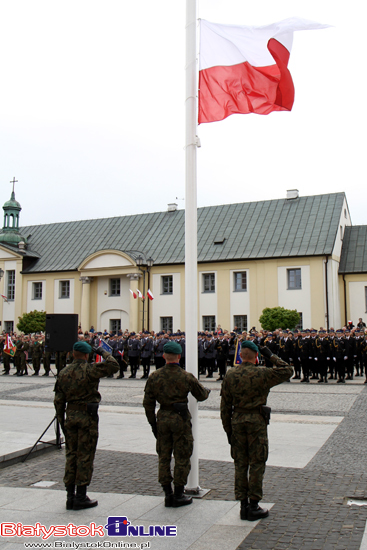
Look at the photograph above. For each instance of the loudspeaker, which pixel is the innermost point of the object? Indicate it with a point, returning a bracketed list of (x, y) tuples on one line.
[(61, 331)]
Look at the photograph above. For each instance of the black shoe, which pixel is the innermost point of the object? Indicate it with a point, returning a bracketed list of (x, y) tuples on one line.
[(35, 374), (179, 499), (209, 376), (255, 512), (70, 489), (81, 500), (119, 377), (4, 373), (46, 374), (320, 381), (244, 508), (168, 500), (219, 379)]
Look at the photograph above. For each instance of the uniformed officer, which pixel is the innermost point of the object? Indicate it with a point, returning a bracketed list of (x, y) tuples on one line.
[(76, 391), (36, 355), (170, 386), (245, 389)]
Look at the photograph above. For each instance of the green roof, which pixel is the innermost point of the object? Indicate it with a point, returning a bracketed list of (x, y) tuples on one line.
[(354, 252), (305, 226)]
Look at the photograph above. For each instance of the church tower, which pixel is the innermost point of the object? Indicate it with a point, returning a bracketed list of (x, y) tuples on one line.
[(10, 232)]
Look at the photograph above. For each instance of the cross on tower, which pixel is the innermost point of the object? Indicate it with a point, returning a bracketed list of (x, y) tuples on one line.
[(13, 181)]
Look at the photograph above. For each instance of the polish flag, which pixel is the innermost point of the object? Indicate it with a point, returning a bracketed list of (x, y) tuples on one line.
[(150, 295), (133, 293), (139, 293), (99, 358), (245, 69)]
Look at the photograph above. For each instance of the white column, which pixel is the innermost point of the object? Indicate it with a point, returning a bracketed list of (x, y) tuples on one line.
[(134, 303), (85, 306)]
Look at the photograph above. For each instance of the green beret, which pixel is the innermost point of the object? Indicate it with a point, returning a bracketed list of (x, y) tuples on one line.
[(83, 347), (249, 344), (172, 347)]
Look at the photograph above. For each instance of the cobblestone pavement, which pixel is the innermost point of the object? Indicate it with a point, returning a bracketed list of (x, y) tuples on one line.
[(310, 510)]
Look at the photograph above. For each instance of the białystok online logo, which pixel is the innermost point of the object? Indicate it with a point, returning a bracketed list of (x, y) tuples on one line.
[(117, 526)]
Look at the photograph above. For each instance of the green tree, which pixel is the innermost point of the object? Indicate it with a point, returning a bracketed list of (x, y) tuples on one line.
[(34, 321), (279, 317)]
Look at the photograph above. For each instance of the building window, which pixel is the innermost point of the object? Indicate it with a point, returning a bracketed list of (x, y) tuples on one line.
[(300, 324), (115, 325), (36, 291), (240, 321), (115, 287), (10, 284), (167, 284), (209, 323), (294, 279), (240, 281), (208, 282), (166, 323), (345, 213), (64, 289), (9, 326), (341, 232)]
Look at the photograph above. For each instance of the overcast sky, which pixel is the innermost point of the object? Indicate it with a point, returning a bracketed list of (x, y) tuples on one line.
[(92, 109)]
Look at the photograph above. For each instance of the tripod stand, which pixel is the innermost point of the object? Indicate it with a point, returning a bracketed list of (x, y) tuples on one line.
[(58, 442)]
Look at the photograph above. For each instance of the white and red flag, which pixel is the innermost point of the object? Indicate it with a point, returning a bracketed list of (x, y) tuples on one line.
[(139, 293), (150, 294), (4, 298), (133, 293), (245, 69), (9, 347)]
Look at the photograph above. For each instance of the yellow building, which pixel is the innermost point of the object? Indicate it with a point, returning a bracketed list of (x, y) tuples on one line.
[(283, 252)]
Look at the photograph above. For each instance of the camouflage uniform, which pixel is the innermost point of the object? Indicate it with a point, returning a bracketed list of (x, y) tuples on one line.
[(245, 388), (36, 356), (167, 385), (77, 385)]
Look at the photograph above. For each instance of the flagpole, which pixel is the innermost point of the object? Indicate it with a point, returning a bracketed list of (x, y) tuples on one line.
[(191, 294)]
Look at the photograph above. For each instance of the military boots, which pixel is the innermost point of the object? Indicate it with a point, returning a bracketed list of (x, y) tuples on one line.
[(169, 495), (244, 508), (70, 491), (179, 498), (255, 512), (81, 500)]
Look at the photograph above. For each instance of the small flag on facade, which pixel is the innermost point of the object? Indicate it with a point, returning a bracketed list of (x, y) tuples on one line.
[(133, 293), (139, 294), (150, 295), (4, 298)]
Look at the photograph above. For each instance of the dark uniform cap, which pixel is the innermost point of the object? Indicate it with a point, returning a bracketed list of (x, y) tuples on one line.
[(172, 347), (83, 347), (249, 344)]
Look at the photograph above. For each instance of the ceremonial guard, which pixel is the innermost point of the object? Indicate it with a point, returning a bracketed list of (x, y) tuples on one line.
[(245, 416), (133, 352), (36, 355), (170, 386), (147, 347), (76, 393)]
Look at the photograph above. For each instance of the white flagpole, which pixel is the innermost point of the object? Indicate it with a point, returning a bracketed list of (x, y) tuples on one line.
[(191, 292)]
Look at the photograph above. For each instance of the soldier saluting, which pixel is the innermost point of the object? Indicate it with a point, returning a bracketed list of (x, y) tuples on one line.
[(170, 386), (244, 415)]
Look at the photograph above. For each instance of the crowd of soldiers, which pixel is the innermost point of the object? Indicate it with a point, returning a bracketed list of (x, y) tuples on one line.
[(319, 355)]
